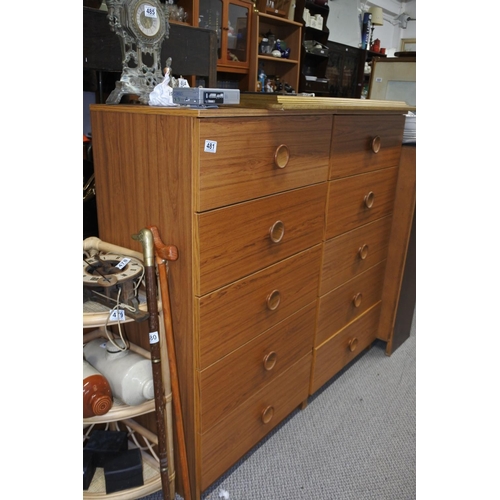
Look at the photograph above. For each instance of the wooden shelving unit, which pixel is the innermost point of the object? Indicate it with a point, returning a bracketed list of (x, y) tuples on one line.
[(286, 69), (122, 417), (314, 59)]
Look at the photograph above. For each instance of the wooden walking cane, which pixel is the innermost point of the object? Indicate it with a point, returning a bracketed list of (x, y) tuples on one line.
[(146, 238), (164, 253)]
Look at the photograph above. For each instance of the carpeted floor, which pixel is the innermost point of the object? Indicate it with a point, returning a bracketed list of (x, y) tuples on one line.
[(356, 439)]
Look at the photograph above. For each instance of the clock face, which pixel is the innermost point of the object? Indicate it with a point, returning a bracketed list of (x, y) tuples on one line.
[(146, 18)]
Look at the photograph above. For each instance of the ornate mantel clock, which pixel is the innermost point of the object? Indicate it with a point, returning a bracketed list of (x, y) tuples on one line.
[(141, 26)]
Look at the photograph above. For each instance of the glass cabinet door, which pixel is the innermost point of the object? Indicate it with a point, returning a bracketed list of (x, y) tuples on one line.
[(230, 20), (237, 35), (211, 18)]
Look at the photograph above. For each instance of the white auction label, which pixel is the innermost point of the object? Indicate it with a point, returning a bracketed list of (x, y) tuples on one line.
[(123, 263), (210, 146), (154, 338), (150, 11), (117, 315)]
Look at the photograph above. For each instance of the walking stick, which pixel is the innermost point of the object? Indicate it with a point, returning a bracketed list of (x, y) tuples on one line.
[(164, 253), (146, 238)]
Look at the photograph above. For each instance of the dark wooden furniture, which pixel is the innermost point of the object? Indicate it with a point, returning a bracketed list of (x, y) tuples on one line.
[(193, 51), (314, 60), (345, 70)]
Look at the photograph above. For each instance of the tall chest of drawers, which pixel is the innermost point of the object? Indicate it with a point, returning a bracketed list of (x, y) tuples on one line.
[(282, 221)]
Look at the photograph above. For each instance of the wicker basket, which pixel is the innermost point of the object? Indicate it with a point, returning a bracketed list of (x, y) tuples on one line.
[(278, 8)]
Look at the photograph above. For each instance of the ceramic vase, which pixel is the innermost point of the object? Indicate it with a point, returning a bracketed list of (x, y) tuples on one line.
[(129, 374), (97, 395)]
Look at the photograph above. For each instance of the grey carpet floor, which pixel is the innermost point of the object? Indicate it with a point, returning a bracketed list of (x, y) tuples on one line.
[(356, 439)]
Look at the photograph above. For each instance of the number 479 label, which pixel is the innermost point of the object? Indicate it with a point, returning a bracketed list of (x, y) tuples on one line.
[(117, 315)]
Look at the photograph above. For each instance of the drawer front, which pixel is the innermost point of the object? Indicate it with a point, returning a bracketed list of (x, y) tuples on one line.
[(344, 304), (260, 156), (232, 380), (341, 349), (354, 252), (238, 240), (234, 315), (360, 199), (232, 437), (356, 138)]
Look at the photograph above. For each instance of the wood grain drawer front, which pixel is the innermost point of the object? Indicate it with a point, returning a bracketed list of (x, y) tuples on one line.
[(364, 143), (232, 380), (236, 434), (341, 349), (360, 199), (238, 240), (234, 315), (344, 304), (354, 252), (260, 156)]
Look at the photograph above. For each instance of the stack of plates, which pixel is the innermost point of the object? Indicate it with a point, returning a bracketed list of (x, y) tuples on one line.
[(410, 131)]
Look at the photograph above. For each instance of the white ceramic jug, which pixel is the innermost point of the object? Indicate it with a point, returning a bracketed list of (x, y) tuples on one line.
[(129, 374)]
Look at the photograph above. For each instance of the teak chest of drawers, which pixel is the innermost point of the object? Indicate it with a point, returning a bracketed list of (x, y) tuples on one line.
[(282, 220)]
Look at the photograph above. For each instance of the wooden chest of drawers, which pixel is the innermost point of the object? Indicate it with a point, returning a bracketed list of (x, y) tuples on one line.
[(362, 188), (282, 222)]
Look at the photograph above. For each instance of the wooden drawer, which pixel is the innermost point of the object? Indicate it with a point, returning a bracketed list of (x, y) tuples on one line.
[(355, 138), (233, 379), (360, 199), (238, 240), (234, 315), (260, 156), (342, 348), (346, 303), (236, 434), (354, 252)]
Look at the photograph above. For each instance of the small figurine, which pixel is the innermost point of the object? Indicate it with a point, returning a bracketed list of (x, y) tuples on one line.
[(167, 71)]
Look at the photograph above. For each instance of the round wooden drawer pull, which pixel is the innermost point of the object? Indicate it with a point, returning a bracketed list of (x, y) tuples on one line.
[(267, 414), (369, 199), (353, 344), (277, 231), (281, 156), (356, 300), (363, 252), (273, 300), (376, 143), (270, 360)]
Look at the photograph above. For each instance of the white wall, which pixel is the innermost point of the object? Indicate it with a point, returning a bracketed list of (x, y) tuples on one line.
[(344, 22)]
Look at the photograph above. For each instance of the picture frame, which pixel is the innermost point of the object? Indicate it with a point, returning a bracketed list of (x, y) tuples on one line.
[(408, 44)]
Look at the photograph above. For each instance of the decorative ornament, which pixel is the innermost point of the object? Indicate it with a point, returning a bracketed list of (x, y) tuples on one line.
[(141, 25)]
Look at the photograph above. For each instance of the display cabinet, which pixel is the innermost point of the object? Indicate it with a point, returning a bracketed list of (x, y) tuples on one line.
[(231, 20), (314, 60), (345, 70), (285, 69)]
